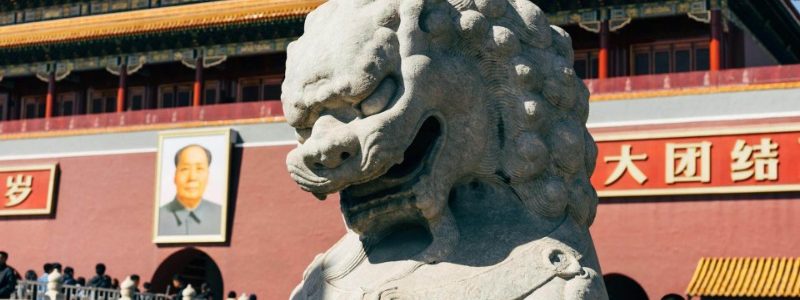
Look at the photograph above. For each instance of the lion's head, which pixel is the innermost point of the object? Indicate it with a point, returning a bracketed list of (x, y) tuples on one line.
[(395, 102)]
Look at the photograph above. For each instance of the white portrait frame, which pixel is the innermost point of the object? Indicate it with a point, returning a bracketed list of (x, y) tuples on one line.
[(219, 142)]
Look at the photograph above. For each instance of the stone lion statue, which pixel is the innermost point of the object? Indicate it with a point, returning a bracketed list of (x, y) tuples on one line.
[(454, 131)]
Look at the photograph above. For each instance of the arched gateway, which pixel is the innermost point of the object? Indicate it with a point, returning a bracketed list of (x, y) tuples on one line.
[(194, 265)]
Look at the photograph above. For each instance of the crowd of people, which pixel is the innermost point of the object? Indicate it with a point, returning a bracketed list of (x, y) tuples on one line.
[(9, 278)]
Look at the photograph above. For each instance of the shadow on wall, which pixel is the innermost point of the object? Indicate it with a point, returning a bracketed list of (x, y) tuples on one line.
[(621, 287)]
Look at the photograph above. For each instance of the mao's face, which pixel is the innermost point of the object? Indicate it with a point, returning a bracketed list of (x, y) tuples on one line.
[(191, 174)]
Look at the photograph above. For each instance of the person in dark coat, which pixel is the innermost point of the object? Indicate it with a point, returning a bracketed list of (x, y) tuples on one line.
[(135, 278), (69, 276), (101, 280), (176, 289), (30, 275), (8, 277), (231, 295), (205, 292)]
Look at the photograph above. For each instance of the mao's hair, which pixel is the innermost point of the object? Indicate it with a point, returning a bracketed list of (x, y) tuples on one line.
[(178, 154), (544, 151)]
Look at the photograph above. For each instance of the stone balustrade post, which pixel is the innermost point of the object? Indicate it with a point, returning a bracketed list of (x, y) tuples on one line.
[(54, 286), (188, 292), (127, 289)]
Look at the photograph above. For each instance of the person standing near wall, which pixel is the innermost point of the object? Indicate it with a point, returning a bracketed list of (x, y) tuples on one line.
[(41, 288), (175, 291), (69, 276), (135, 278), (8, 277), (101, 280)]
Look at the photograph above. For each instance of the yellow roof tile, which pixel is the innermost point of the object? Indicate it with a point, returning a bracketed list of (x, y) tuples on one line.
[(153, 20), (741, 277), (793, 286), (708, 271), (722, 274), (791, 265), (779, 277), (729, 277), (746, 277), (697, 276), (736, 278)]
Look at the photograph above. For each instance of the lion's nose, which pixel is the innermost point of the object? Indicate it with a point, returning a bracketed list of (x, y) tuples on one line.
[(331, 156), (329, 150)]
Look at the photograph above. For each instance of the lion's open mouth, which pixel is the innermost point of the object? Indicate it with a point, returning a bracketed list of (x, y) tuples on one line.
[(396, 183)]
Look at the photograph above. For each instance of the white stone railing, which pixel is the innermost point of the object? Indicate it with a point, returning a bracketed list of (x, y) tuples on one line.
[(54, 290)]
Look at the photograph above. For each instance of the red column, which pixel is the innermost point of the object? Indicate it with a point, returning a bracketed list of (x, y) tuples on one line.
[(714, 47), (122, 90), (602, 56), (198, 81), (51, 93)]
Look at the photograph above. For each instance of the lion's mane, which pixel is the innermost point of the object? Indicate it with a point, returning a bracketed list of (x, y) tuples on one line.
[(544, 150)]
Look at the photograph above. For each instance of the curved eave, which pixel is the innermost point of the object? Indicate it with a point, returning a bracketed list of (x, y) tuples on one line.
[(775, 24), (746, 277), (202, 15)]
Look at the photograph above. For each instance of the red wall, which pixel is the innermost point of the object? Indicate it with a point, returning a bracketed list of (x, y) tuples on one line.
[(658, 242), (105, 206), (104, 214)]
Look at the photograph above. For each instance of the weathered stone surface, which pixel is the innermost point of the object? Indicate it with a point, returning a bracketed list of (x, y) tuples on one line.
[(455, 132)]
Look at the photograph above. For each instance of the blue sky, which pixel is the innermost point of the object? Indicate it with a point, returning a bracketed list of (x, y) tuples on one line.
[(796, 4)]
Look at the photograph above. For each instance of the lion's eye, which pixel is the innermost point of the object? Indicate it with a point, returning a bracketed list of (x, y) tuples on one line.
[(381, 97), (302, 134)]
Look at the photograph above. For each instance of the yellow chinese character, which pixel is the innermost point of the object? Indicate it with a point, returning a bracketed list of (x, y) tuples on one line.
[(763, 163), (687, 156), (625, 160), (19, 189)]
